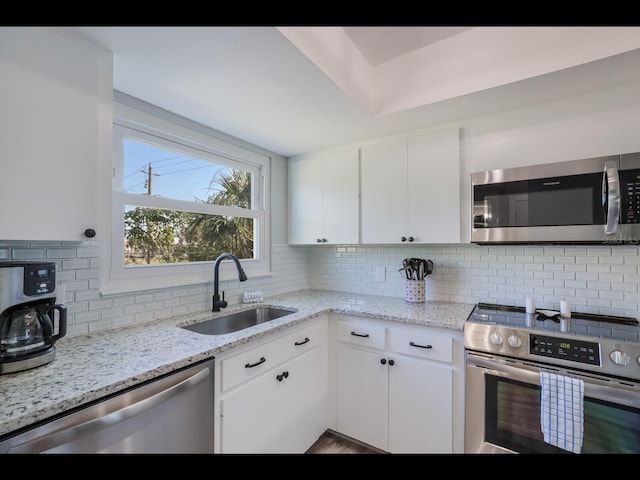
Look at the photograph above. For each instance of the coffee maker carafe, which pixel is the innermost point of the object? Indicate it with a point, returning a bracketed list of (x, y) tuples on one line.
[(31, 321)]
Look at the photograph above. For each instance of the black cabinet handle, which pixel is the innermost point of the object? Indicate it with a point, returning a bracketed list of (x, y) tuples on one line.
[(251, 365), (392, 363), (403, 239), (419, 346), (411, 239), (306, 340), (365, 335), (282, 376), (383, 361), (89, 233)]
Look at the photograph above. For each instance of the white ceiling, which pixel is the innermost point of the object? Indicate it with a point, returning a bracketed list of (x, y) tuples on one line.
[(295, 90)]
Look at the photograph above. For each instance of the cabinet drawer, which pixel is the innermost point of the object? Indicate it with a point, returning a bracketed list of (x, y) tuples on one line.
[(360, 333), (256, 360), (424, 344)]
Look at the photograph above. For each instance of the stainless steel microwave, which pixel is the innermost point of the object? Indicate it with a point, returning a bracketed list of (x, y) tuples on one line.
[(591, 201)]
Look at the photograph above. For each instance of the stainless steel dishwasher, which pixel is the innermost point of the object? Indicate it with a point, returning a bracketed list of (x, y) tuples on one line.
[(170, 414)]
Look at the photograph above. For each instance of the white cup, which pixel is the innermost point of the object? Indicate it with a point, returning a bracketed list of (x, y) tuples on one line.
[(530, 305), (565, 309)]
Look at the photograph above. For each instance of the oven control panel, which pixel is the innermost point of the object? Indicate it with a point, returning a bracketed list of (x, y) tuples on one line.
[(570, 349), (600, 355)]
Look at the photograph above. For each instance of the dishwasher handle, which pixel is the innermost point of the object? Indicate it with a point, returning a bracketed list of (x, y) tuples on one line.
[(68, 433)]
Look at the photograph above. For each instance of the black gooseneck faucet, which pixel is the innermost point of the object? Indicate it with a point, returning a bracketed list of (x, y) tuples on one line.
[(217, 303)]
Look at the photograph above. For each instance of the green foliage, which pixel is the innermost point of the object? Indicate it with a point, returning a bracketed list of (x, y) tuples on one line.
[(167, 236)]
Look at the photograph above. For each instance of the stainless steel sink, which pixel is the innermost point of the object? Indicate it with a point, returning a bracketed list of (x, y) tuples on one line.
[(239, 320)]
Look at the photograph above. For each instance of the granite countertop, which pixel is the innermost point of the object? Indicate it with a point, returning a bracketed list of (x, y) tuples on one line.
[(92, 366)]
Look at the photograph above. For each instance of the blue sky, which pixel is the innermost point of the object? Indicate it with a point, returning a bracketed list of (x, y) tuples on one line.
[(174, 175)]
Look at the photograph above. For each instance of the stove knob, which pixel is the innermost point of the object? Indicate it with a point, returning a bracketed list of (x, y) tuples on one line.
[(496, 338), (514, 341), (619, 357)]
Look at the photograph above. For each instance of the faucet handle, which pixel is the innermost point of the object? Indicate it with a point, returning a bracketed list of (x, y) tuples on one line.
[(218, 304)]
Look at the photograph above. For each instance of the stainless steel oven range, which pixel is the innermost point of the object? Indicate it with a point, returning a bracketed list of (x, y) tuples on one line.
[(537, 382)]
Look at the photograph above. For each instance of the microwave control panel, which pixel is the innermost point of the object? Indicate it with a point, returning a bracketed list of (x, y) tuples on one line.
[(630, 196)]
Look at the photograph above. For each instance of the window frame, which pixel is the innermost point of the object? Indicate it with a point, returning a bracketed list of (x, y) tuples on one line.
[(195, 140)]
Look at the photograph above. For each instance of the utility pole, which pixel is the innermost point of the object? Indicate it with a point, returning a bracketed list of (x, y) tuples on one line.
[(149, 173)]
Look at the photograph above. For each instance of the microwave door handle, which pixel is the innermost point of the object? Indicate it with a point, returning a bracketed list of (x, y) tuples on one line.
[(611, 195)]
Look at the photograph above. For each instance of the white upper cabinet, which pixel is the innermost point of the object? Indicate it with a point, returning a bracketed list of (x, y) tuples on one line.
[(411, 189), (55, 125), (324, 198)]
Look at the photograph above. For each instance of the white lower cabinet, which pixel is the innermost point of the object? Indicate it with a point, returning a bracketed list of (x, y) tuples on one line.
[(396, 386), (273, 393)]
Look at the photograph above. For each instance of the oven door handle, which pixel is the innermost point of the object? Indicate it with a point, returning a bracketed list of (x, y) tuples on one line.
[(498, 367), (596, 386)]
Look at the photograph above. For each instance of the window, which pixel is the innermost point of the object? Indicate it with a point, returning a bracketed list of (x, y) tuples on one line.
[(181, 197)]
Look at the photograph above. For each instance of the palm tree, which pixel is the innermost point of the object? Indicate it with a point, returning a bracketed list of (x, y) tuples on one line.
[(211, 235)]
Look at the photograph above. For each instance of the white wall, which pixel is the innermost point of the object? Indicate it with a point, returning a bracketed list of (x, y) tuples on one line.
[(590, 125)]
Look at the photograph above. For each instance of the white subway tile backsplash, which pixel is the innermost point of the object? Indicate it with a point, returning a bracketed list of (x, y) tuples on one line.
[(85, 317), (100, 304), (603, 280), (57, 253), (612, 295), (27, 254), (143, 317), (99, 326)]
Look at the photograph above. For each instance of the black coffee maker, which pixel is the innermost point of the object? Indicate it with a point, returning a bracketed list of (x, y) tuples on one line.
[(31, 321)]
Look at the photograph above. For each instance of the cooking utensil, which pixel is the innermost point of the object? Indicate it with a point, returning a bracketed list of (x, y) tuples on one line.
[(428, 268), (416, 268)]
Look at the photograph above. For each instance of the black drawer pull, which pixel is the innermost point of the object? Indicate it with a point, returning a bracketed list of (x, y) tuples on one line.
[(306, 340), (366, 335), (419, 346), (251, 365)]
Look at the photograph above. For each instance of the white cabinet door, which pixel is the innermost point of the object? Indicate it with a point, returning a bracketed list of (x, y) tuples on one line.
[(362, 399), (305, 200), (384, 191), (398, 387), (273, 396), (341, 196), (411, 189), (282, 411), (324, 198), (420, 406), (433, 205), (55, 125)]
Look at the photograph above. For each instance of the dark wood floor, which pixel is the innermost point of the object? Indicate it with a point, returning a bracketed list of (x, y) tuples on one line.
[(331, 442)]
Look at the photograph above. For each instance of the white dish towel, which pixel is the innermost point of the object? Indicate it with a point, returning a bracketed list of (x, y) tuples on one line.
[(562, 410)]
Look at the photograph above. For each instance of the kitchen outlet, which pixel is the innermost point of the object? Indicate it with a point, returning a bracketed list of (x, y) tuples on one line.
[(381, 274)]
